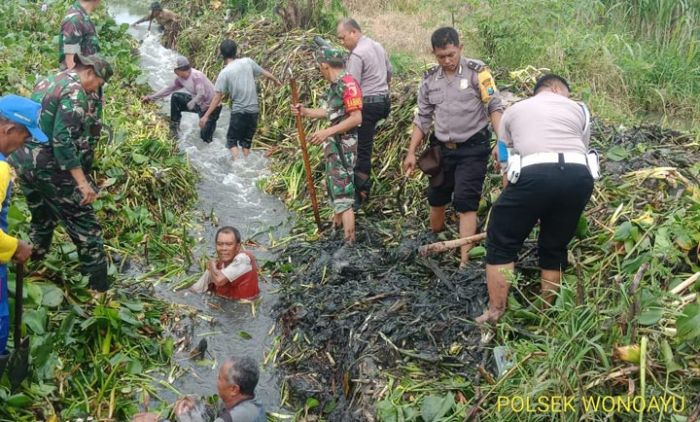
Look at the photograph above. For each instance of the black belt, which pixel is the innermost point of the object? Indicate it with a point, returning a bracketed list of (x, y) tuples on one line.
[(481, 137), (372, 99)]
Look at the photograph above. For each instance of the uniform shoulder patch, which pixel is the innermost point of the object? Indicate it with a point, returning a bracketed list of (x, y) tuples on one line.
[(476, 65), (430, 72)]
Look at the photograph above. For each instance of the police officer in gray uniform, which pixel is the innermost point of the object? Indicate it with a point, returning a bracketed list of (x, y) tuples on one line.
[(369, 64), (551, 133), (459, 97)]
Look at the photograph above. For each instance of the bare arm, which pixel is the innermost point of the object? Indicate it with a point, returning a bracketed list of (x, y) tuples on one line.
[(409, 162), (215, 102), (217, 277), (70, 61), (271, 77), (496, 123), (352, 121), (312, 113), (84, 187)]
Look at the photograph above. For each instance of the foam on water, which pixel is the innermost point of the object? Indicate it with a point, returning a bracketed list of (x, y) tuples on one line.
[(228, 189)]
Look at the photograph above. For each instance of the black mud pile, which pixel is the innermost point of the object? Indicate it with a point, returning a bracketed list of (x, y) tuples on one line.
[(348, 313)]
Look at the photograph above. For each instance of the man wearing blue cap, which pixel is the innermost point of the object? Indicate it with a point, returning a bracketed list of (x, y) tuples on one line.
[(19, 120)]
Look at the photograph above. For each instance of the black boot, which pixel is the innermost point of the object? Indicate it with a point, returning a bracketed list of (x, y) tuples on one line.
[(98, 279), (4, 359), (174, 128)]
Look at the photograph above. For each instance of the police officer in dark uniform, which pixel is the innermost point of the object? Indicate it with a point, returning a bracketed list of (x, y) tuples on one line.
[(459, 97)]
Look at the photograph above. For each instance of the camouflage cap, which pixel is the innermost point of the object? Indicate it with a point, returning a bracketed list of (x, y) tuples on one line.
[(102, 67), (331, 56)]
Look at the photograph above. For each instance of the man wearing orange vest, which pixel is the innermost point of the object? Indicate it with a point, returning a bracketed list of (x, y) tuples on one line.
[(234, 275)]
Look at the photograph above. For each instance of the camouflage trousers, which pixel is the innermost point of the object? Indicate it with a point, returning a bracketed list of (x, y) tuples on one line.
[(339, 154), (53, 199)]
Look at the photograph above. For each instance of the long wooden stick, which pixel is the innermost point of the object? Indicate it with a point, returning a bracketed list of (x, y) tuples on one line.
[(450, 244), (305, 154), (687, 283)]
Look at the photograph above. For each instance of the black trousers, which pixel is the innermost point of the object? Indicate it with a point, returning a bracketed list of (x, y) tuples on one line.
[(371, 114), (178, 105), (553, 194)]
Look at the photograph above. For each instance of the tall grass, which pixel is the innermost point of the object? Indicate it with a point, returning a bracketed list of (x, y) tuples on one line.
[(628, 58)]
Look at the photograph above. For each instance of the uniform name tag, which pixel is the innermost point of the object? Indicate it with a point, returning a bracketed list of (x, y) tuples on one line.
[(463, 83)]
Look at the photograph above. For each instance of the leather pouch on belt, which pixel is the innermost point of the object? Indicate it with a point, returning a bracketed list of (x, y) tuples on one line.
[(430, 163)]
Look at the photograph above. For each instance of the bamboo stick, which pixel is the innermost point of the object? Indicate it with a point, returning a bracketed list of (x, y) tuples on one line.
[(305, 154), (687, 283), (450, 244)]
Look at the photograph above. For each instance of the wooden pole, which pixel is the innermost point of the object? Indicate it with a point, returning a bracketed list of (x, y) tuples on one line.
[(450, 244), (305, 154)]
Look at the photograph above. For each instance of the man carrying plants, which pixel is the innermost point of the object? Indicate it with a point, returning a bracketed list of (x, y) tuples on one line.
[(200, 92), (237, 79), (167, 19), (19, 121), (54, 176), (344, 110), (458, 97)]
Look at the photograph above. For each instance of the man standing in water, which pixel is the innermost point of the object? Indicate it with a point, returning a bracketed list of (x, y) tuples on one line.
[(344, 102), (369, 64), (200, 92), (169, 20), (237, 79), (234, 275)]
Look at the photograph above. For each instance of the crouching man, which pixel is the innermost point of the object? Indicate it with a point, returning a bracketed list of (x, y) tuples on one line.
[(234, 275)]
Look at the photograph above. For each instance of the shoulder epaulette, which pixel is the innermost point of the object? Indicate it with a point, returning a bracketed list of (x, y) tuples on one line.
[(430, 72), (476, 65)]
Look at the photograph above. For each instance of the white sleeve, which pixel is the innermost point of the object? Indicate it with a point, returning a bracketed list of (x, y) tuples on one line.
[(586, 138), (241, 264), (202, 285)]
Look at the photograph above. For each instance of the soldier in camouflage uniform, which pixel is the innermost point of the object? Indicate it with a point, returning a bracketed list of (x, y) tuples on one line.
[(78, 33), (79, 36), (54, 176), (344, 110)]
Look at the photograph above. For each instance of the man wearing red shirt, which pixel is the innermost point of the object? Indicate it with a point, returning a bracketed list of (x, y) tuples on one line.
[(234, 275)]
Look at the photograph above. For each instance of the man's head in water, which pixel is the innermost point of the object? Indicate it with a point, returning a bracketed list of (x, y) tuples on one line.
[(228, 243), (237, 380)]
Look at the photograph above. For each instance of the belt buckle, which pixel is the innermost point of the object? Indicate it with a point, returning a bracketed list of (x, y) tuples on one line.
[(450, 145)]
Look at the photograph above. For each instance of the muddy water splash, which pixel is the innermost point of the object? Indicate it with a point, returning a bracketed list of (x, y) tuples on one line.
[(227, 190)]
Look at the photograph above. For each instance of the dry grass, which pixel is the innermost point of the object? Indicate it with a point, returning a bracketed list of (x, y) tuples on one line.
[(401, 26)]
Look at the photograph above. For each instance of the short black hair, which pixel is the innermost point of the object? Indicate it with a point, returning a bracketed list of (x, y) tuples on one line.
[(244, 373), (155, 6), (444, 36), (549, 80), (351, 23), (228, 49), (228, 229), (184, 68)]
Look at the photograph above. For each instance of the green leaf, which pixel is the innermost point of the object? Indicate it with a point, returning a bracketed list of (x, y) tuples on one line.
[(35, 319), (650, 316), (53, 296), (582, 229), (34, 293), (138, 158), (667, 353), (126, 316), (477, 252), (311, 403), (19, 400), (387, 412), (688, 324), (244, 335), (617, 153), (623, 231), (435, 407)]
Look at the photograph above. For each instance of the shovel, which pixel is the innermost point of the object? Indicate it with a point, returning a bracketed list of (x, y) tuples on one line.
[(19, 363)]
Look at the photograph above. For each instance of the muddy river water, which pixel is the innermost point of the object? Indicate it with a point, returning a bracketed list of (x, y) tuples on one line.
[(227, 190)]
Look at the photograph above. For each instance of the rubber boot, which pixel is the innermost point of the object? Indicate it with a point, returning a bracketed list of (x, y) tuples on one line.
[(98, 279), (4, 359), (174, 128)]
